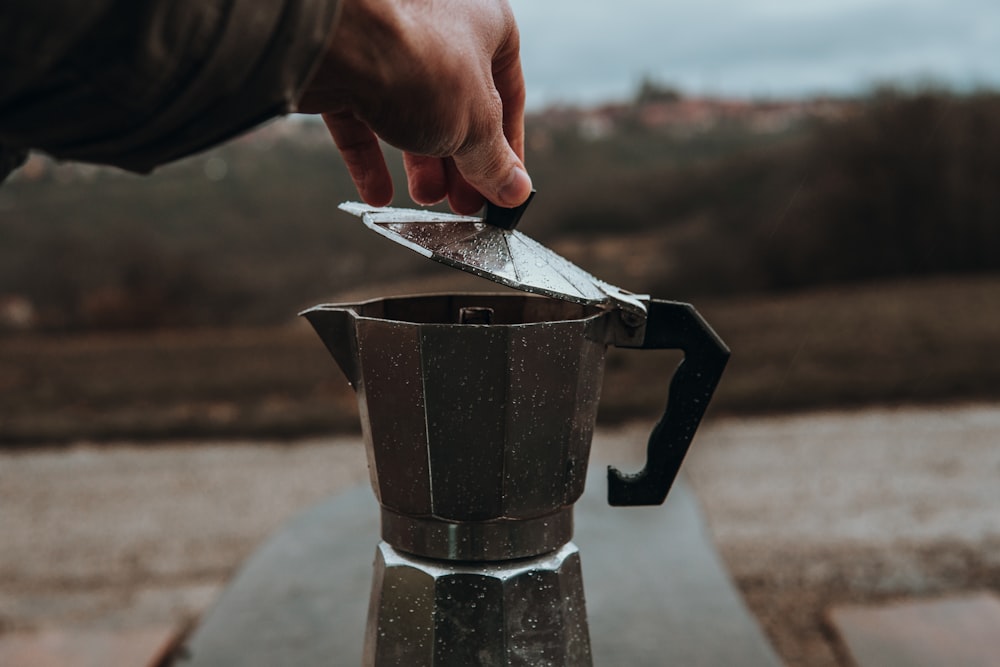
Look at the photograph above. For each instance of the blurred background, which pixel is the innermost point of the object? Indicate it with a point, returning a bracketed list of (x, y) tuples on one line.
[(857, 235), (822, 180)]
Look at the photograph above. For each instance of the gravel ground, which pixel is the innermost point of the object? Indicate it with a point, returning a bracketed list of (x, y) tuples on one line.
[(808, 511), (817, 510)]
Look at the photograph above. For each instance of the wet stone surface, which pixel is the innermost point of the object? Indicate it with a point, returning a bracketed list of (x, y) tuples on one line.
[(807, 511)]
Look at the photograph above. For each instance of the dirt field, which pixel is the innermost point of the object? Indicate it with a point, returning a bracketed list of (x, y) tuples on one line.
[(897, 343), (808, 511), (823, 509)]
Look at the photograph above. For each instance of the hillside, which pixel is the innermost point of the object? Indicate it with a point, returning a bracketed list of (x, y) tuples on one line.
[(714, 196), (928, 341), (846, 251)]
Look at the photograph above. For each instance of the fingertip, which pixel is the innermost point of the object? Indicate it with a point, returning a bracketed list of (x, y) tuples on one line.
[(376, 196), (425, 196), (463, 198), (466, 205), (426, 178), (497, 173), (516, 189), (374, 185)]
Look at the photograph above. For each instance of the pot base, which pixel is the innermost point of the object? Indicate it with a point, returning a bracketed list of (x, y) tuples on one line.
[(427, 613)]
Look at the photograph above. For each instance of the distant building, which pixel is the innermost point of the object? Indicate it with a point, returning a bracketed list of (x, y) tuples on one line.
[(683, 116), (17, 313)]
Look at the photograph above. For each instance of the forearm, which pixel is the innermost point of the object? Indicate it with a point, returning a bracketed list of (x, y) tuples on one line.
[(137, 83)]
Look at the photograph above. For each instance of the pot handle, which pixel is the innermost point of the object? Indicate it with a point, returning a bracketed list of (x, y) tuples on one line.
[(673, 325)]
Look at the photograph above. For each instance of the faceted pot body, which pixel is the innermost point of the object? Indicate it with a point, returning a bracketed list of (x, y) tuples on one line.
[(472, 422)]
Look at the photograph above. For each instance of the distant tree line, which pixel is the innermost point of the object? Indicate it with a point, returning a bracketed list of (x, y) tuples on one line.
[(908, 185), (905, 186)]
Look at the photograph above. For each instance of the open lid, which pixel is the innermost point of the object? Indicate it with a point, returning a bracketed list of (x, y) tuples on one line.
[(489, 247)]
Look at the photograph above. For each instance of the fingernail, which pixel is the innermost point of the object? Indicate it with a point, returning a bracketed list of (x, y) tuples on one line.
[(516, 189)]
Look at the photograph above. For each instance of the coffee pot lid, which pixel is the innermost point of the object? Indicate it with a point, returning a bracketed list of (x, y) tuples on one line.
[(491, 248)]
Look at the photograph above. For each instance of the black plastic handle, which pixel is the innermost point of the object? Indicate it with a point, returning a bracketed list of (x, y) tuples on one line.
[(672, 325)]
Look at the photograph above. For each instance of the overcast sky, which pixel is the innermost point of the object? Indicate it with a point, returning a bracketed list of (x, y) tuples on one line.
[(576, 51)]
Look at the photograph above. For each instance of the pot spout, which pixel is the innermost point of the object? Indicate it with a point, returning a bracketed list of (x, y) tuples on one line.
[(335, 326)]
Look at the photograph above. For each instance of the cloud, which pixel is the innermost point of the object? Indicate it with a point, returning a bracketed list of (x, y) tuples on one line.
[(573, 50)]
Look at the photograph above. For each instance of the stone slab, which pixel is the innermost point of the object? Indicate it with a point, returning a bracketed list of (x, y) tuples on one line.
[(84, 648), (657, 592), (959, 631)]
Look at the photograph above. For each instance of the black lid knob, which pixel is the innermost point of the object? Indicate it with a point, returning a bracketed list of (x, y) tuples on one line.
[(505, 218)]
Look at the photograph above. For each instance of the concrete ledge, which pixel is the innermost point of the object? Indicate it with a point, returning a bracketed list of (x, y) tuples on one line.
[(955, 631), (84, 648)]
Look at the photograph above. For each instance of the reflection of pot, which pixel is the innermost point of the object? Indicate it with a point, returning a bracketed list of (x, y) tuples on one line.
[(478, 412)]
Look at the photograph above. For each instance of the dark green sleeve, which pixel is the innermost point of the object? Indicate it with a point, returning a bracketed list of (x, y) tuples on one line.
[(137, 83)]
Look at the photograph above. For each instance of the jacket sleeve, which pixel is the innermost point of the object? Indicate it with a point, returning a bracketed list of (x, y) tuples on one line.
[(137, 83)]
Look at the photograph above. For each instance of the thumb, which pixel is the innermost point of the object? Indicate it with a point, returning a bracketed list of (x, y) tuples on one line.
[(494, 169)]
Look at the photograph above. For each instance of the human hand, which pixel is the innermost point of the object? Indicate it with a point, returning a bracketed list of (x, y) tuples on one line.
[(439, 80)]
